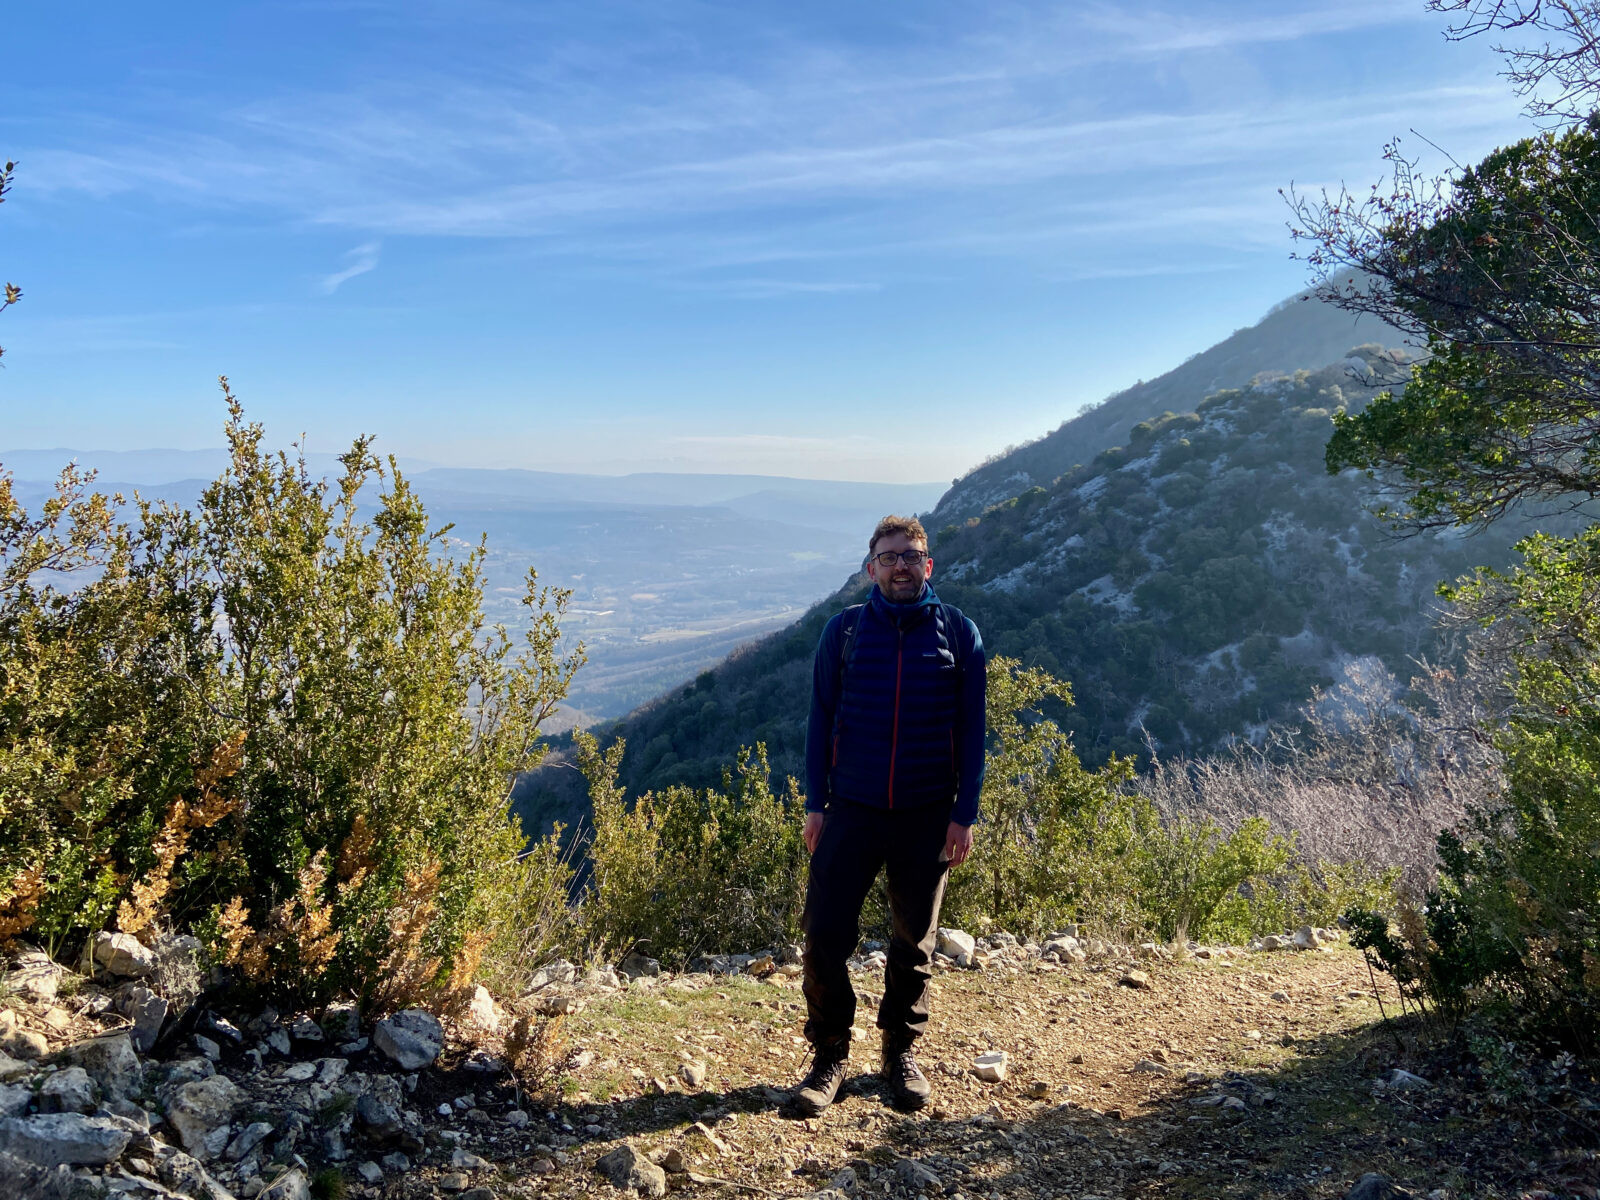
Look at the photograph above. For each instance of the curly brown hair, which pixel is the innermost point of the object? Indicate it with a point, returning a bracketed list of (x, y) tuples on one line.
[(892, 524)]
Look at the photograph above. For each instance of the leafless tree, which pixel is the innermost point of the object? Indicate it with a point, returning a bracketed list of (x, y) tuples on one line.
[(1374, 774), (1560, 75)]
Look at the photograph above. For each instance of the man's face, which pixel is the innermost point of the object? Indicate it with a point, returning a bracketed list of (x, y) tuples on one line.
[(899, 582)]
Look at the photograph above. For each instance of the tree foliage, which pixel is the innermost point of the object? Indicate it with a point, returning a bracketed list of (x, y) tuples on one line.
[(1499, 272)]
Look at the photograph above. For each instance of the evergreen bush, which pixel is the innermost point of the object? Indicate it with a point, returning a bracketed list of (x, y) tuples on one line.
[(277, 719)]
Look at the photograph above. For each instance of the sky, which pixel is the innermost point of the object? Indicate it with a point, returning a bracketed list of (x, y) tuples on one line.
[(833, 240)]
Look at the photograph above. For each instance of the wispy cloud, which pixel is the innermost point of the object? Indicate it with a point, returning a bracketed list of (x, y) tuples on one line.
[(359, 261), (1031, 128)]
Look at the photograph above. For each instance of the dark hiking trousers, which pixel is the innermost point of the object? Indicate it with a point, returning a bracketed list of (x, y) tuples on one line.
[(858, 841)]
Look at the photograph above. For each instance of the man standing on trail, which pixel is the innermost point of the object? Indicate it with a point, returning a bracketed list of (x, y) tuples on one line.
[(894, 763)]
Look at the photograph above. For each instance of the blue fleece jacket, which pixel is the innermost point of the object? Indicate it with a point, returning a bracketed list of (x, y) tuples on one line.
[(901, 724)]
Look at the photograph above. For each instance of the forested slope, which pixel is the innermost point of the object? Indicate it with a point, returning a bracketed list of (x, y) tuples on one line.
[(1300, 332), (1192, 586)]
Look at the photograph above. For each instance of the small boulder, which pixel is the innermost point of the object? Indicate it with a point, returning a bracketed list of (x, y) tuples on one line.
[(14, 1099), (466, 1160), (20, 1043), (412, 1038), (68, 1091), (20, 1178), (291, 1185), (991, 1067), (341, 1022), (148, 1012), (625, 1167), (110, 1062), (1135, 979), (201, 1112), (378, 1117), (693, 1074), (636, 965), (958, 944), (1405, 1081), (916, 1177), (34, 975), (247, 1139), (50, 1139), (304, 1029), (483, 1011), (124, 955), (1373, 1186), (560, 971)]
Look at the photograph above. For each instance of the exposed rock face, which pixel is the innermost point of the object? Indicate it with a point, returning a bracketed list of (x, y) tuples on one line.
[(124, 955), (50, 1139), (412, 1038), (201, 1113)]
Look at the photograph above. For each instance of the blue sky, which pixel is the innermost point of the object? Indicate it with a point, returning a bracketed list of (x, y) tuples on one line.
[(865, 241)]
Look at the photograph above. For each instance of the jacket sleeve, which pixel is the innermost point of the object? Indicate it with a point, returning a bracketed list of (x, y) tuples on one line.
[(824, 703), (971, 729)]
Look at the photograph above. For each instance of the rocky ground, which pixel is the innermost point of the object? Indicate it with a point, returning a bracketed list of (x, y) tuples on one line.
[(1076, 1070)]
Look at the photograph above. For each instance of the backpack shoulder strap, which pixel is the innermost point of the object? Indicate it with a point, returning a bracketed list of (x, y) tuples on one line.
[(954, 629), (851, 623)]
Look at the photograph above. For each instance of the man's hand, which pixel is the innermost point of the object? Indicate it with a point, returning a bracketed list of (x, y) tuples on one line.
[(812, 833), (958, 843)]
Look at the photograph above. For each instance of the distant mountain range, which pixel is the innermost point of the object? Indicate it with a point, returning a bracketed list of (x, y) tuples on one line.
[(669, 572)]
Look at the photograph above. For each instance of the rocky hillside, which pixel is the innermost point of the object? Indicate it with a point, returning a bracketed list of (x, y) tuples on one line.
[(1075, 1068), (1301, 332), (1193, 586)]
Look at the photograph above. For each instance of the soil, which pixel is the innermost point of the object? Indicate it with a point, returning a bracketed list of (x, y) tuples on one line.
[(1251, 1077)]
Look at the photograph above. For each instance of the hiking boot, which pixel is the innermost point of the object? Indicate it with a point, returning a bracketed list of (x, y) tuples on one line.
[(908, 1086), (818, 1089)]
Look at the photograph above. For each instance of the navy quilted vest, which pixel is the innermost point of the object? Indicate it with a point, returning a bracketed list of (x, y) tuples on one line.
[(894, 730)]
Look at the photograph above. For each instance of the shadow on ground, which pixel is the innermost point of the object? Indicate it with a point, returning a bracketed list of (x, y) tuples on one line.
[(1305, 1129)]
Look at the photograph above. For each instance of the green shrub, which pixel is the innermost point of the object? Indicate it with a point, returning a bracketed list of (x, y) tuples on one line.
[(692, 871), (275, 718), (1191, 875), (1515, 915)]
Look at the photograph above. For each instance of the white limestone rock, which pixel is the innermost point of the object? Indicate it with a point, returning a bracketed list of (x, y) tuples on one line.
[(124, 955)]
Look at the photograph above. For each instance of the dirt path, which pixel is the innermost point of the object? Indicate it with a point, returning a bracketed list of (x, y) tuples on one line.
[(1251, 1078)]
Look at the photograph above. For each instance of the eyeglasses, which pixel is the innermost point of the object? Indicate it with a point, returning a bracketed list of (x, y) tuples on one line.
[(911, 558)]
